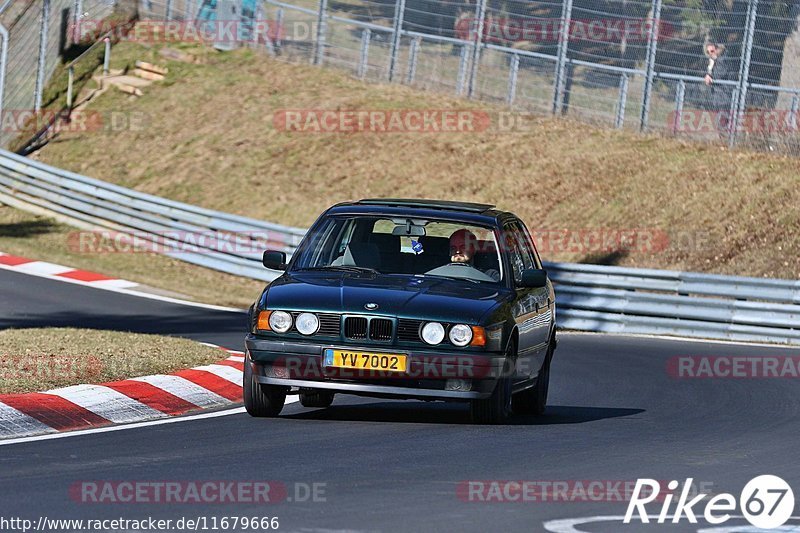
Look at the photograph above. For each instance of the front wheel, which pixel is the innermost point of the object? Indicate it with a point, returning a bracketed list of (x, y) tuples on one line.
[(260, 400), (497, 407), (533, 401)]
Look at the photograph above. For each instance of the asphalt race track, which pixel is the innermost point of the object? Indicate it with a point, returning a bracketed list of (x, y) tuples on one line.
[(616, 414)]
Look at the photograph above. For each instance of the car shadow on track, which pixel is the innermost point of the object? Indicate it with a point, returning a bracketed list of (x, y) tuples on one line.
[(443, 413)]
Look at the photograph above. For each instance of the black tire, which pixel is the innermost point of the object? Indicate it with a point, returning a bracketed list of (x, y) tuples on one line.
[(316, 398), (497, 408), (533, 401), (261, 400)]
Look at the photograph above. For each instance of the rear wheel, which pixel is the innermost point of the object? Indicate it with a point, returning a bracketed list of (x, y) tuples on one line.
[(316, 398), (497, 408), (261, 400)]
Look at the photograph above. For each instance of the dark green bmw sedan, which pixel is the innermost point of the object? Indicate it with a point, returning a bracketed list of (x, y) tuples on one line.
[(413, 299)]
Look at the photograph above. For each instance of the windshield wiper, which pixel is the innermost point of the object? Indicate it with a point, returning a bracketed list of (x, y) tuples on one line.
[(342, 268)]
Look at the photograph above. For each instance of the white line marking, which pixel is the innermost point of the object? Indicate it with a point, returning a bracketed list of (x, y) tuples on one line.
[(225, 372), (680, 339), (43, 267), (108, 403), (113, 283), (567, 525), (185, 389), (149, 296), (17, 423), (137, 425), (236, 358)]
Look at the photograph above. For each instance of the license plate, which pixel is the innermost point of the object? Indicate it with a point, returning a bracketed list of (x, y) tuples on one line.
[(365, 360)]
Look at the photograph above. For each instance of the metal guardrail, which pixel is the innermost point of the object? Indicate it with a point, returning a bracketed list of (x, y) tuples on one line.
[(589, 297)]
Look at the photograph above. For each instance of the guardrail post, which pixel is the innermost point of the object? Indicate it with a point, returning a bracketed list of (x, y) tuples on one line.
[(650, 65), (622, 101), (322, 30), (513, 74), (106, 55), (412, 59), (561, 57), (480, 14), (462, 69), (43, 31), (744, 72), (680, 96), (363, 57), (397, 34)]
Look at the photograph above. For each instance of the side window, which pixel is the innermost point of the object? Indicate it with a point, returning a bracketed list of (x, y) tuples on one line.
[(514, 254), (529, 256)]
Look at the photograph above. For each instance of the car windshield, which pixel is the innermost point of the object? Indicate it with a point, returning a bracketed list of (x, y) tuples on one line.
[(436, 248)]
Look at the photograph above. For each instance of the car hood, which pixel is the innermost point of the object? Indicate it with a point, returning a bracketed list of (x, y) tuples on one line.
[(399, 296)]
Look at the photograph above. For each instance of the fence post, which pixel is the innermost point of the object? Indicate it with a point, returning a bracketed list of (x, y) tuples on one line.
[(278, 28), (513, 73), (106, 55), (397, 34), (412, 60), (680, 96), (793, 112), (168, 10), (3, 63), (76, 21), (650, 65), (744, 72), (40, 73), (480, 14), (561, 58), (462, 69), (732, 116), (622, 102), (363, 57), (322, 30), (70, 83)]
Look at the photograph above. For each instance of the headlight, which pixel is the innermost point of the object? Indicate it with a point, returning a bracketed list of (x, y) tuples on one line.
[(307, 323), (460, 335), (280, 321), (433, 333)]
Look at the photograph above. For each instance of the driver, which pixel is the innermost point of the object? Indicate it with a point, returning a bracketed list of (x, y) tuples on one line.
[(463, 244)]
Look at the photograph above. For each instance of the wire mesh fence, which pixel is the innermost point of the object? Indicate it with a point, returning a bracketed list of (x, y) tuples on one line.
[(36, 35), (637, 64), (723, 71)]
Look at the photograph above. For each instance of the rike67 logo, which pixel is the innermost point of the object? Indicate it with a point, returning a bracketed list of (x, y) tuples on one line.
[(767, 502)]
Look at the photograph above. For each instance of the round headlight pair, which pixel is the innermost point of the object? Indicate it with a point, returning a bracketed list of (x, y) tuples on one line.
[(433, 333), (281, 322)]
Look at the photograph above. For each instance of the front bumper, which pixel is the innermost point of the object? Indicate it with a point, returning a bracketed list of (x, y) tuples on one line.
[(431, 375)]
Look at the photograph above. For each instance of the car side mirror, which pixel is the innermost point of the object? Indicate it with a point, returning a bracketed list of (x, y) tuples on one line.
[(534, 278), (274, 260)]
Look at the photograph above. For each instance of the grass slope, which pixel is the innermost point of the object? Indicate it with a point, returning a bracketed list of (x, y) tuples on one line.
[(209, 139)]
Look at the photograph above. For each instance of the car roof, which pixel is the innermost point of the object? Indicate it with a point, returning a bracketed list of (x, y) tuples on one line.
[(442, 209)]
